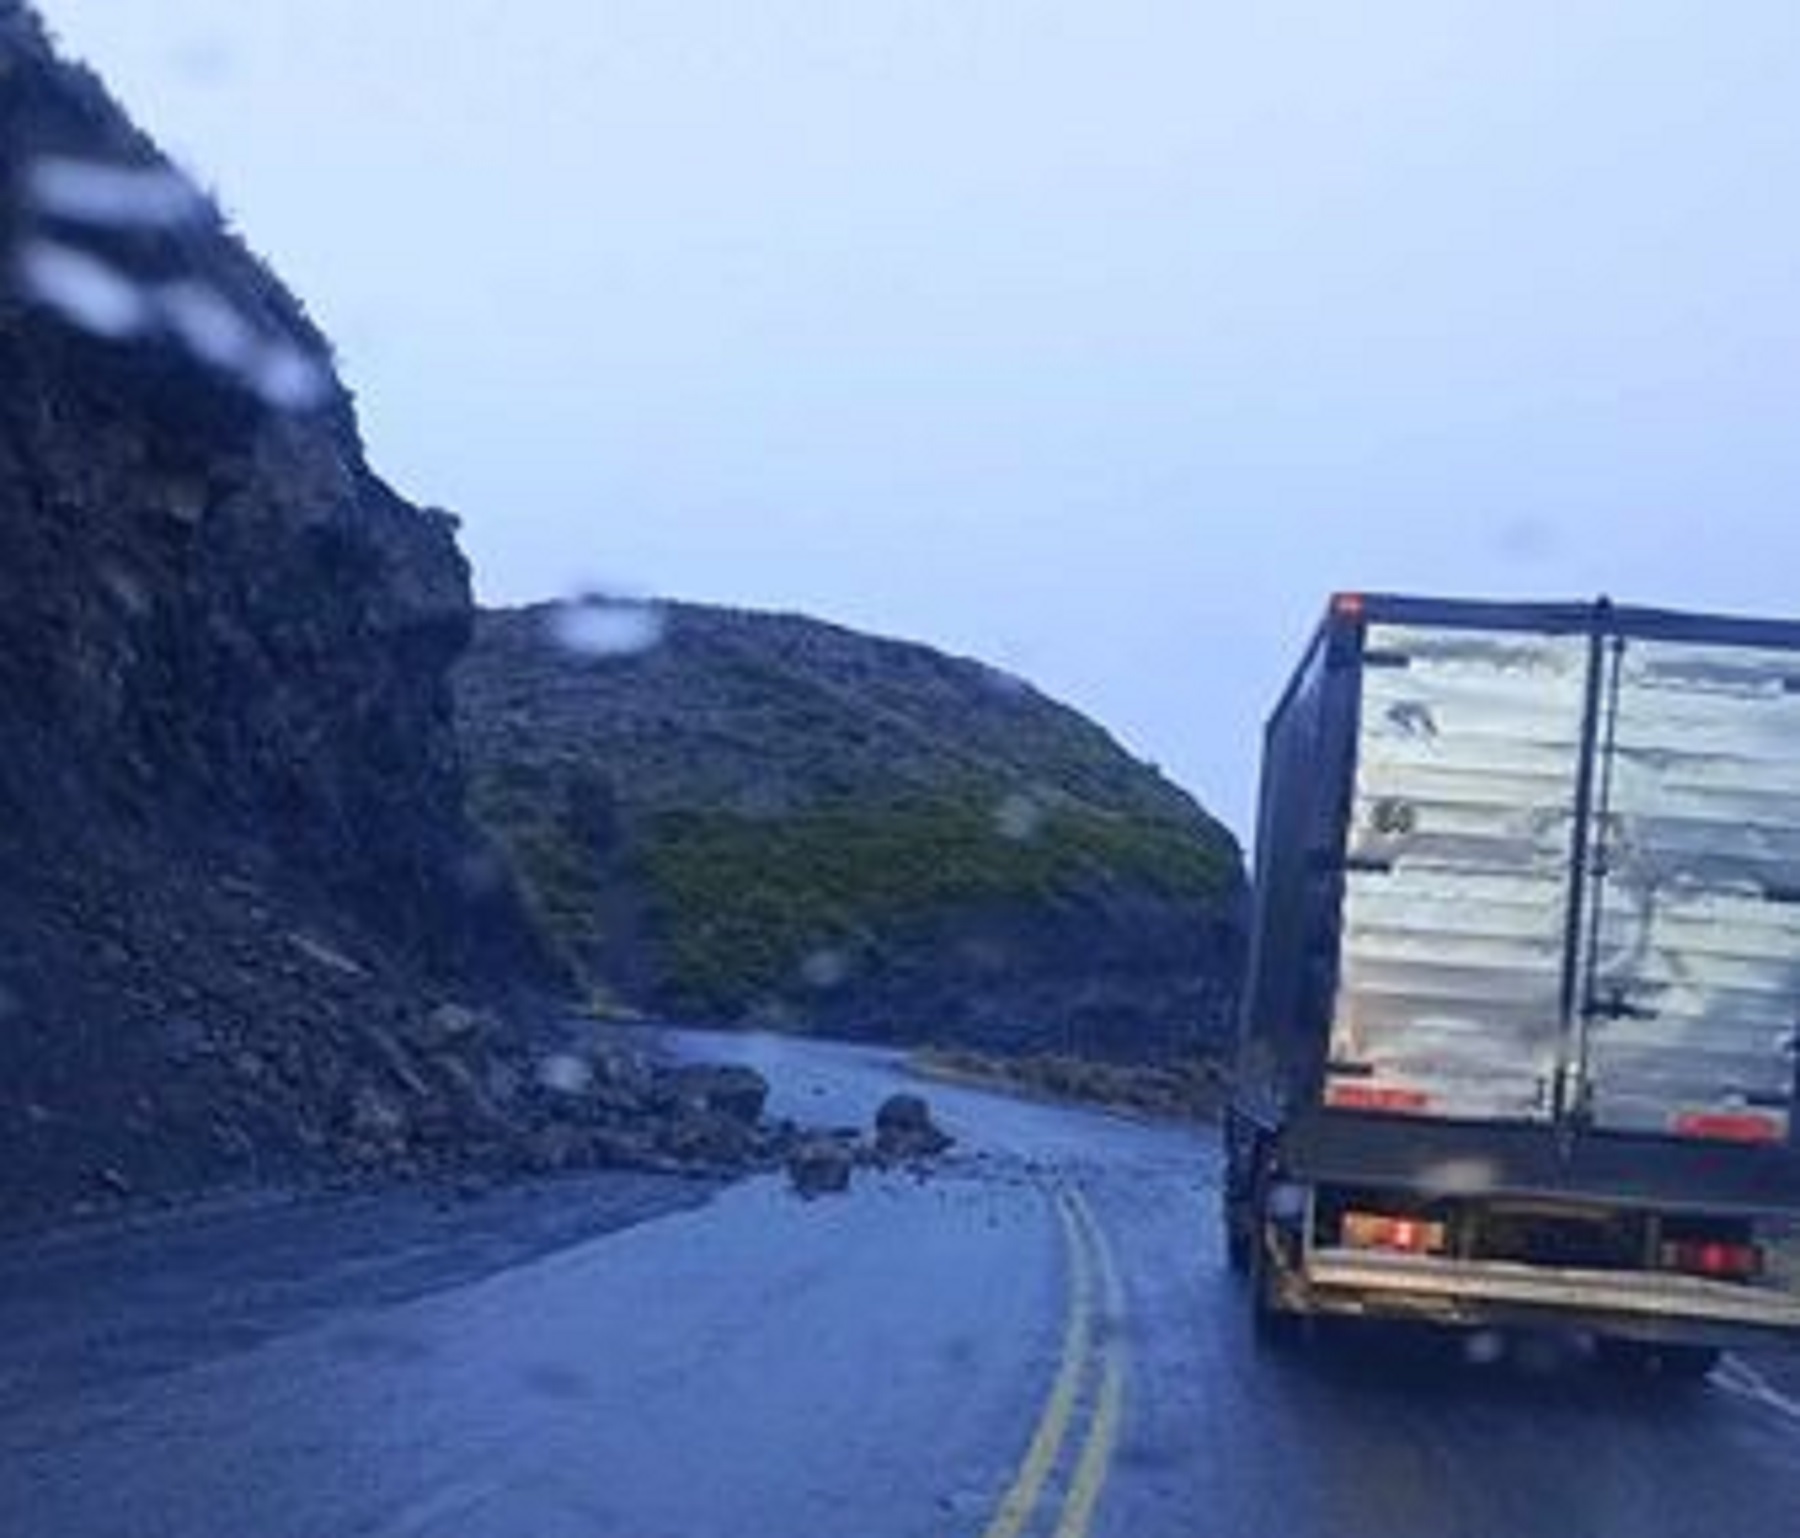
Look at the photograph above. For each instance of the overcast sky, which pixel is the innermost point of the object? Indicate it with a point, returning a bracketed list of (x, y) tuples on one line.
[(1097, 338)]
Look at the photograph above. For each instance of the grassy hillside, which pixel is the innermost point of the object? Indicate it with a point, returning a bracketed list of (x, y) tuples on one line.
[(763, 817)]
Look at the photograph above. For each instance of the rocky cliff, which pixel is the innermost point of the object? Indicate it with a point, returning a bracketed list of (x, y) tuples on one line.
[(235, 875), (766, 819)]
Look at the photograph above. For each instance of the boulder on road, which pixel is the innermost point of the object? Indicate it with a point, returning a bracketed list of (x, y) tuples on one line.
[(708, 1137), (904, 1130), (726, 1089), (819, 1166)]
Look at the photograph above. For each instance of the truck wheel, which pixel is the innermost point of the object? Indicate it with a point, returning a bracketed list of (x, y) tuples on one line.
[(1274, 1325)]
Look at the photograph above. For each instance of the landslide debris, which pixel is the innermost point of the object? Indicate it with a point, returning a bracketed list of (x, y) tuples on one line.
[(247, 931)]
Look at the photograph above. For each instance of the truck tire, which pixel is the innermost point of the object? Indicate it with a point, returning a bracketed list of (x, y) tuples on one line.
[(1273, 1325)]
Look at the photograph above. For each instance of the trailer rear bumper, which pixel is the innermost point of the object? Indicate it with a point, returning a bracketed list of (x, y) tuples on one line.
[(1504, 1293)]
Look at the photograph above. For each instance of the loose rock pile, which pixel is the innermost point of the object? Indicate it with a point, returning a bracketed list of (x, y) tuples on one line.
[(905, 1134)]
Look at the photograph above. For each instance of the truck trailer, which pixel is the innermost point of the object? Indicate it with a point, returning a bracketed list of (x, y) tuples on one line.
[(1521, 1032)]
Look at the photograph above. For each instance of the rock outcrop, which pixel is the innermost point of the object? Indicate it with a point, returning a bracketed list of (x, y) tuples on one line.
[(235, 873)]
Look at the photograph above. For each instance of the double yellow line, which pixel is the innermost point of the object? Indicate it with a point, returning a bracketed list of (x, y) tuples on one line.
[(1091, 1272)]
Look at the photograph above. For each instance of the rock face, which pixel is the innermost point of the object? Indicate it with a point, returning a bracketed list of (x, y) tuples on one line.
[(764, 819), (235, 873)]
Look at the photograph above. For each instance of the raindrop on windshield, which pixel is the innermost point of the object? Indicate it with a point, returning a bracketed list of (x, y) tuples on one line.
[(481, 872), (126, 588), (203, 61), (210, 326), (1001, 682), (565, 1073), (1484, 1347), (603, 625), (83, 289), (287, 379), (825, 969), (1019, 816), (97, 192)]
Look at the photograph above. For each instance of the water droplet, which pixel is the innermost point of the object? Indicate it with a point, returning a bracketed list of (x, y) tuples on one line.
[(825, 969), (289, 379), (1019, 816), (1526, 540), (203, 61), (209, 324), (481, 872), (1001, 682), (105, 193), (86, 291), (127, 589), (1484, 1347), (603, 625), (565, 1073)]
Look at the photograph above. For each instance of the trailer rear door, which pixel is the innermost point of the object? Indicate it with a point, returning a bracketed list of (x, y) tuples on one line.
[(1691, 952), (1456, 913)]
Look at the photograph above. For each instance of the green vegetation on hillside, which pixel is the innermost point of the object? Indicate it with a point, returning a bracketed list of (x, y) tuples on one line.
[(743, 902), (762, 817)]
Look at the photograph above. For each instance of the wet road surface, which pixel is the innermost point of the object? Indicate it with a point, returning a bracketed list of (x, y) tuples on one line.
[(1040, 1339)]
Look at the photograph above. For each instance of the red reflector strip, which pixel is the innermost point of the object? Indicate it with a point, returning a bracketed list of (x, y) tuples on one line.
[(1373, 1097), (1728, 1126), (1712, 1257)]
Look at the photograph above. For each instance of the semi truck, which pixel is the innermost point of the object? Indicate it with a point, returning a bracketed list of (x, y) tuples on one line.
[(1520, 1036)]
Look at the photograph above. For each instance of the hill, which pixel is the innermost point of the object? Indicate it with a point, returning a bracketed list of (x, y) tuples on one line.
[(765, 819)]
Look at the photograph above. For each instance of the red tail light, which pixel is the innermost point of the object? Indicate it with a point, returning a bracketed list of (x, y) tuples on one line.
[(1729, 1126), (1725, 1259), (1381, 1231), (1375, 1097)]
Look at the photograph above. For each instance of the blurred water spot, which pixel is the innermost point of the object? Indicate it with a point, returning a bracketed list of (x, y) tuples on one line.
[(825, 969), (127, 590), (99, 192), (1461, 1177), (1003, 682), (604, 625), (211, 327), (202, 60), (1539, 1355), (960, 1352), (288, 379), (1019, 816), (480, 872), (83, 289), (565, 1073), (1484, 1347), (1525, 539), (9, 1002)]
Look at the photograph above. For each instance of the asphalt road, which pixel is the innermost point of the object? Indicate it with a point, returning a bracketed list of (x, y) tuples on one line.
[(1040, 1339)]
